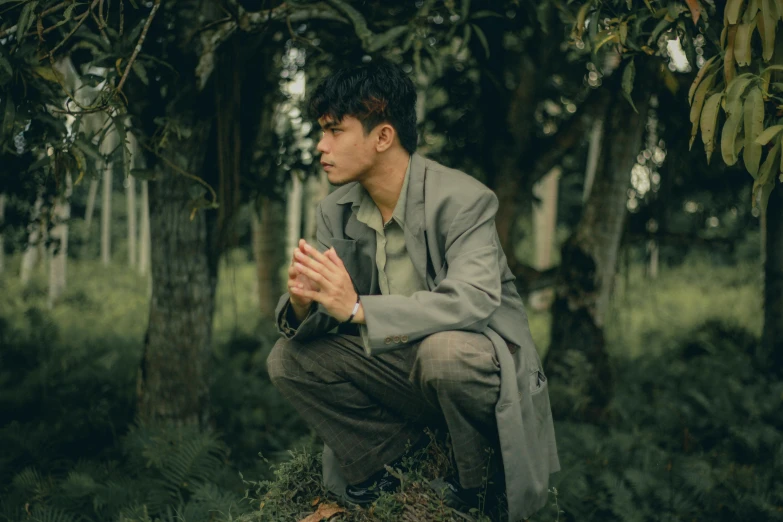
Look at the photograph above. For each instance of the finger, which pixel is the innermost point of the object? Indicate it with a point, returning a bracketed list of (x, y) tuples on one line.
[(312, 251), (326, 270), (315, 276), (332, 254), (309, 294)]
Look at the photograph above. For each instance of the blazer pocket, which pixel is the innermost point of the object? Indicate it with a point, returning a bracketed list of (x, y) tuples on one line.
[(537, 382)]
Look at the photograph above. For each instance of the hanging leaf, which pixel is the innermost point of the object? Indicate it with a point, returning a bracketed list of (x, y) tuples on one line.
[(769, 133), (141, 72), (750, 11), (482, 38), (695, 8), (709, 122), (766, 24), (742, 53), (729, 71), (737, 87), (627, 83), (466, 33), (702, 72), (26, 19), (754, 126), (730, 133), (765, 179), (486, 13), (732, 11), (579, 25), (698, 104), (9, 117), (603, 38)]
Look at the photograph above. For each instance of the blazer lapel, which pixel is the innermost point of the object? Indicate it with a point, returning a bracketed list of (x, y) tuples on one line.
[(358, 249), (414, 217)]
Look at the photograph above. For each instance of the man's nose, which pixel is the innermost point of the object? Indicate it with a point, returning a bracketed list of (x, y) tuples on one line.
[(321, 147)]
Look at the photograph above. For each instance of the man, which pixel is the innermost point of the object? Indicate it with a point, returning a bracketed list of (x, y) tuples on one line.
[(405, 313)]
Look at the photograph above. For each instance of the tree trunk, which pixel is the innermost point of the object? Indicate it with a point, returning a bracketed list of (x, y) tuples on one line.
[(144, 229), (267, 248), (35, 240), (545, 226), (2, 242), (317, 190), (294, 211), (106, 214), (577, 353), (130, 191), (173, 382), (58, 247), (91, 195), (771, 355)]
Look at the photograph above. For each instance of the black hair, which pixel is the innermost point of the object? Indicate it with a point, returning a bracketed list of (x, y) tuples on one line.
[(373, 93)]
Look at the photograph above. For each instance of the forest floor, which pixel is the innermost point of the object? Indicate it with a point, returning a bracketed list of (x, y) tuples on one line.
[(694, 431)]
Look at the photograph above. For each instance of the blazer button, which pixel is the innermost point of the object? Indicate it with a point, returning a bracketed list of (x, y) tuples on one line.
[(404, 338), (396, 338), (388, 340)]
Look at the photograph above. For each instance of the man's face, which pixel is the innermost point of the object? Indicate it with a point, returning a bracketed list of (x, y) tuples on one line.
[(346, 152)]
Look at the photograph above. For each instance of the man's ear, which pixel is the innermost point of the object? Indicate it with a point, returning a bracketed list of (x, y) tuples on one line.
[(385, 135)]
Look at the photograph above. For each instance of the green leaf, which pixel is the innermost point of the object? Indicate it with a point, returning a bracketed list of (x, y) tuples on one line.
[(754, 126), (486, 13), (742, 53), (709, 122), (89, 148), (767, 23), (466, 33), (141, 72), (482, 38), (698, 103), (26, 19), (627, 84), (465, 9), (9, 117), (769, 133), (737, 86), (732, 10), (6, 71), (702, 72), (766, 180), (603, 38), (730, 133)]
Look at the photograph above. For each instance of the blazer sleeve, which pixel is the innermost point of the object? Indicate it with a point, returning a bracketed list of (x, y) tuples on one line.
[(318, 322), (464, 300)]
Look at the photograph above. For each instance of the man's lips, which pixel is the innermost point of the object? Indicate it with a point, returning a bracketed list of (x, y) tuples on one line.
[(326, 165)]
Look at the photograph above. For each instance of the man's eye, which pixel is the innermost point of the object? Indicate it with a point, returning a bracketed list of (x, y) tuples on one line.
[(335, 131)]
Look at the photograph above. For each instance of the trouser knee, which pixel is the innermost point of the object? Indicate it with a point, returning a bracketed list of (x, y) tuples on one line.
[(280, 362)]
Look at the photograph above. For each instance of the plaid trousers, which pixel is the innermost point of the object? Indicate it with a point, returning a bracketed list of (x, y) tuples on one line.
[(368, 409)]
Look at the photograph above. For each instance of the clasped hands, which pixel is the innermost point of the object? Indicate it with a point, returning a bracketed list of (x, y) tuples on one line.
[(322, 278)]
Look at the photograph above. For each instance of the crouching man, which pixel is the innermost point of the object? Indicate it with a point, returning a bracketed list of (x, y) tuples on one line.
[(404, 314)]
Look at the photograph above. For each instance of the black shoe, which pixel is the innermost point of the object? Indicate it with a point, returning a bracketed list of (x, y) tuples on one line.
[(454, 495), (368, 491)]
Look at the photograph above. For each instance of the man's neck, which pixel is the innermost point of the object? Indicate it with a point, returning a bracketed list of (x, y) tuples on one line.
[(384, 182)]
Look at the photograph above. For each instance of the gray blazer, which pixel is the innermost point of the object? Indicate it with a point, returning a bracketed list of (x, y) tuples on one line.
[(451, 237)]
